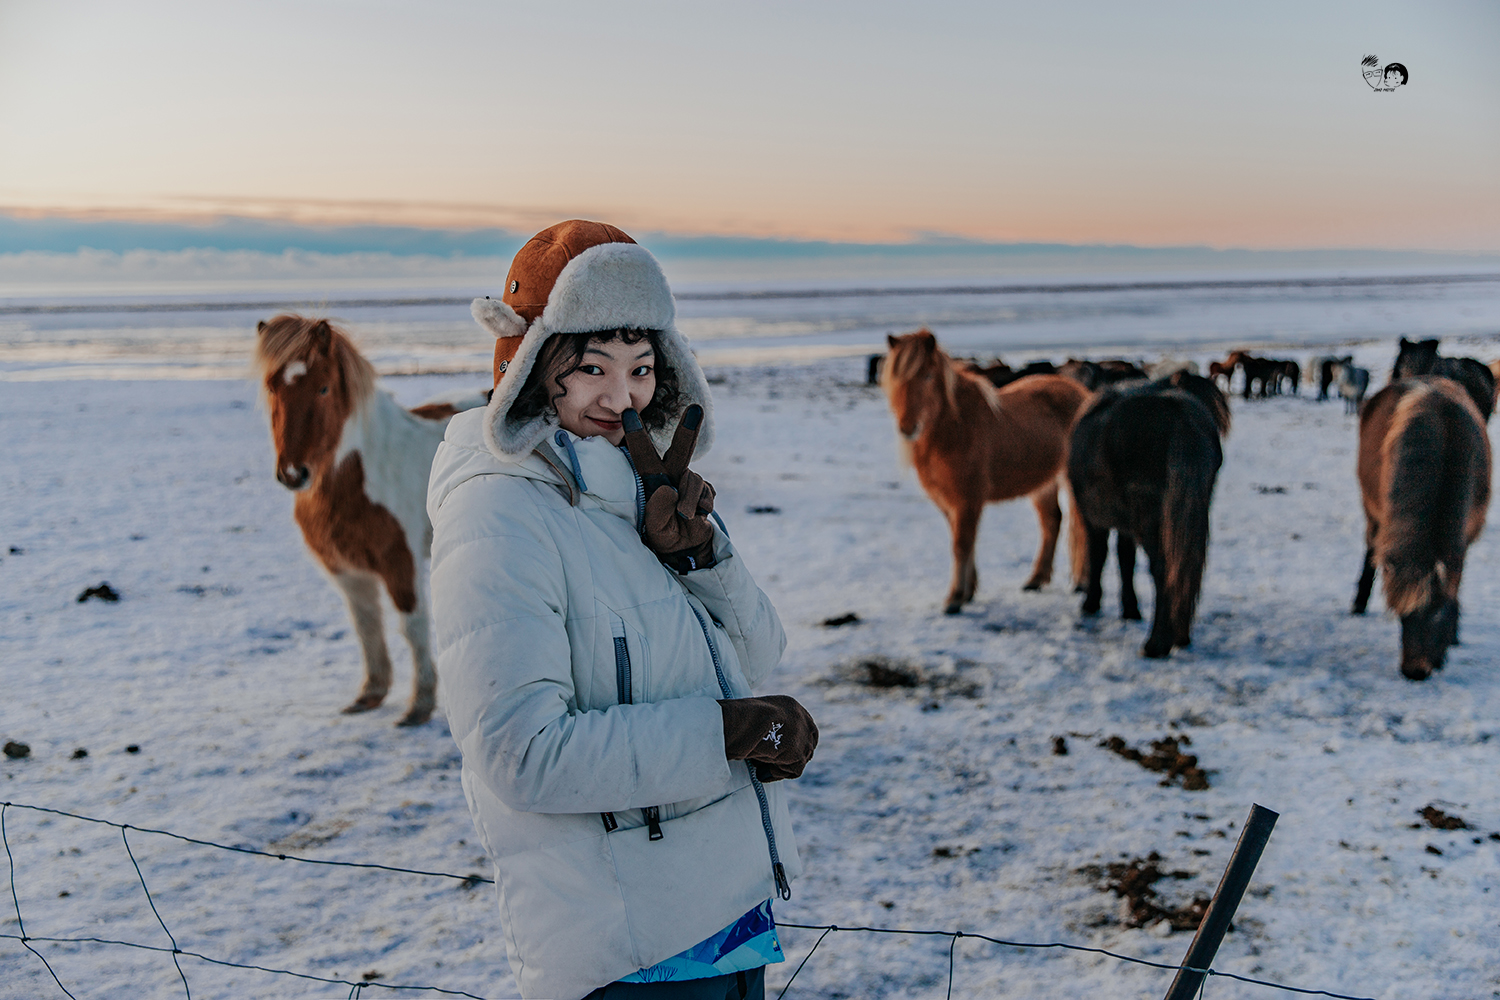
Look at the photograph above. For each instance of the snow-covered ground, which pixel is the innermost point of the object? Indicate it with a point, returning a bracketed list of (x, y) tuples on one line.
[(939, 806)]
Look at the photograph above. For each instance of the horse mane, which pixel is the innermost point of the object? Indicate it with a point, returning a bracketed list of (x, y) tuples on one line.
[(290, 337), (1207, 393)]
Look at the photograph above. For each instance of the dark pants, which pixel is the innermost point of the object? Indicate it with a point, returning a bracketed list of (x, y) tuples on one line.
[(734, 986)]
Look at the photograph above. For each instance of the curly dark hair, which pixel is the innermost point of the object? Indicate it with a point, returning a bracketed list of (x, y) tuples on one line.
[(561, 356)]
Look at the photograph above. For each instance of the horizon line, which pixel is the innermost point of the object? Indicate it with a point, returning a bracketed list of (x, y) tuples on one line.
[(52, 231)]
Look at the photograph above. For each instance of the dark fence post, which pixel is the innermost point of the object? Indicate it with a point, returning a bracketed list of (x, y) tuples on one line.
[(1227, 896)]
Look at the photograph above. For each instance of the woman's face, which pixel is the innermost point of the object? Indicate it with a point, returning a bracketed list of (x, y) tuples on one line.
[(611, 377)]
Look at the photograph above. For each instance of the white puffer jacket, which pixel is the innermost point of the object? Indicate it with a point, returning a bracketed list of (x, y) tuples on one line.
[(546, 603)]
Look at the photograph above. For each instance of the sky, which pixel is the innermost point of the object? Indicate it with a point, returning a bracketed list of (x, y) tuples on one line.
[(1151, 124)]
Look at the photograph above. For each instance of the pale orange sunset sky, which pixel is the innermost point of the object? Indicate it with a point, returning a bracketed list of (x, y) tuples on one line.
[(1086, 122)]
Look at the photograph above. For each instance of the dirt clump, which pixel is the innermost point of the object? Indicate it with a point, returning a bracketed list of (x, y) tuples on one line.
[(1134, 882), (1439, 820), (1166, 757), (103, 592), (888, 674)]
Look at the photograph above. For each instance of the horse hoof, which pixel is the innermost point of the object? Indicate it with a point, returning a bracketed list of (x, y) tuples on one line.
[(1089, 612), (1034, 585), (1131, 614), (415, 717), (953, 608), (1154, 652), (363, 703)]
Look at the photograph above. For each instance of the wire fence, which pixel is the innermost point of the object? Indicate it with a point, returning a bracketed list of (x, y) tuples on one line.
[(356, 988)]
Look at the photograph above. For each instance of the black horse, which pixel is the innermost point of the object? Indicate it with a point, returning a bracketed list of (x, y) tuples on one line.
[(1420, 357), (1143, 461)]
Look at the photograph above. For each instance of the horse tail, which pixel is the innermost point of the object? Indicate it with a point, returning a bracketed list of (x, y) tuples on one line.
[(1433, 461), (1193, 459), (1078, 533)]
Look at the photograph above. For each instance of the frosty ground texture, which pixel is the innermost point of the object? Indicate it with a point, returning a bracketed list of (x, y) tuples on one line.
[(937, 801)]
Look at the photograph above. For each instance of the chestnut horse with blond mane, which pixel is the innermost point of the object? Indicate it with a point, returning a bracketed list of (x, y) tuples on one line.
[(973, 444), (358, 462), (1424, 475)]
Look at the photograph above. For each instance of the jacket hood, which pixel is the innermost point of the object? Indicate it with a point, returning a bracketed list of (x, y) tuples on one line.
[(606, 282)]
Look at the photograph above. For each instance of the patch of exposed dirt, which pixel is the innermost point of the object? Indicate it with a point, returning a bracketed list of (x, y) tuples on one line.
[(882, 673), (1134, 882), (310, 836), (1439, 820), (1166, 757), (103, 592)]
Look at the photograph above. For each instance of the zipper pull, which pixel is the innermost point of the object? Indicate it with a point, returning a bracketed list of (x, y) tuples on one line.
[(653, 822), (610, 824), (783, 887)]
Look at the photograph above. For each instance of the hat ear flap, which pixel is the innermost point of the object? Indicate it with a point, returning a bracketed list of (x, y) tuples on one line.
[(498, 318)]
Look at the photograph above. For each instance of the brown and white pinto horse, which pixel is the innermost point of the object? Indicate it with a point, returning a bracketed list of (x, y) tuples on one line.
[(358, 462), (972, 444), (1424, 475)]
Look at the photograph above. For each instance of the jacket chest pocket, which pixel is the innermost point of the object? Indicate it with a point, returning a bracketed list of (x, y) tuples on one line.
[(624, 662)]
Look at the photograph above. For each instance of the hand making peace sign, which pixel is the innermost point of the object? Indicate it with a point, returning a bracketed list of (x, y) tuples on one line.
[(678, 500)]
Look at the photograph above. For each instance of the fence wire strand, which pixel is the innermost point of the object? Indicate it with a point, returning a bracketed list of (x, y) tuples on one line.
[(125, 839), (357, 988)]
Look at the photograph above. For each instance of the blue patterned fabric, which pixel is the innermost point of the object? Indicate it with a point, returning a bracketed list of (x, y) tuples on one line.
[(748, 943)]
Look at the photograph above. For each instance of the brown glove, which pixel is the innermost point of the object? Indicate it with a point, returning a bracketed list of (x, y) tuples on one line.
[(678, 500), (775, 733)]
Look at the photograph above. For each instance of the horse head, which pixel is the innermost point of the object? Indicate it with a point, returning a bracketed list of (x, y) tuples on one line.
[(1426, 635), (313, 379), (916, 377), (1415, 357)]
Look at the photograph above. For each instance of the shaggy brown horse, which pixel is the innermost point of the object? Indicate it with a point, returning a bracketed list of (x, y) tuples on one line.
[(1424, 475), (973, 444), (358, 463), (1143, 461)]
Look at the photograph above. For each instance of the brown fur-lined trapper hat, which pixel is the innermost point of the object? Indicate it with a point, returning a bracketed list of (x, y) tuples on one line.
[(580, 277)]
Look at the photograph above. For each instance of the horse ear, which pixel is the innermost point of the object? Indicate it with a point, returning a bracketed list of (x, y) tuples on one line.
[(260, 328), (322, 335), (890, 340)]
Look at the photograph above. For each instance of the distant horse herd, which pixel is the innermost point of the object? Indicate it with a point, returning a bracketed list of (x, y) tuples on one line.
[(1137, 450), (1143, 452)]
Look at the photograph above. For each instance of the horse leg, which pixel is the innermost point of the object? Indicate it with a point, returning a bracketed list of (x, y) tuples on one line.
[(424, 675), (1366, 573), (1098, 555), (965, 524), (362, 593), (1049, 515), (1159, 643), (1130, 608)]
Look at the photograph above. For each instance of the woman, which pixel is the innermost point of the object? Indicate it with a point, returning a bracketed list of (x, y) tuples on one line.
[(598, 642)]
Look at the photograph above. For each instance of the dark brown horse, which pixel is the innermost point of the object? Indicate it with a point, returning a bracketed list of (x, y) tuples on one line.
[(1097, 374), (1420, 357), (973, 444), (1424, 475), (1143, 461)]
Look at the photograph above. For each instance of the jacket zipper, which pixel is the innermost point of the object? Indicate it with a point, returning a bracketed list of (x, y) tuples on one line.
[(622, 690), (783, 887)]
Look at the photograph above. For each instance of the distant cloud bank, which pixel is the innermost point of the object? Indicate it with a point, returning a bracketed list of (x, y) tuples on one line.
[(53, 253)]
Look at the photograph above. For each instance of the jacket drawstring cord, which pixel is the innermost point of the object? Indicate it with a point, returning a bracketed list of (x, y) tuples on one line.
[(565, 441)]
